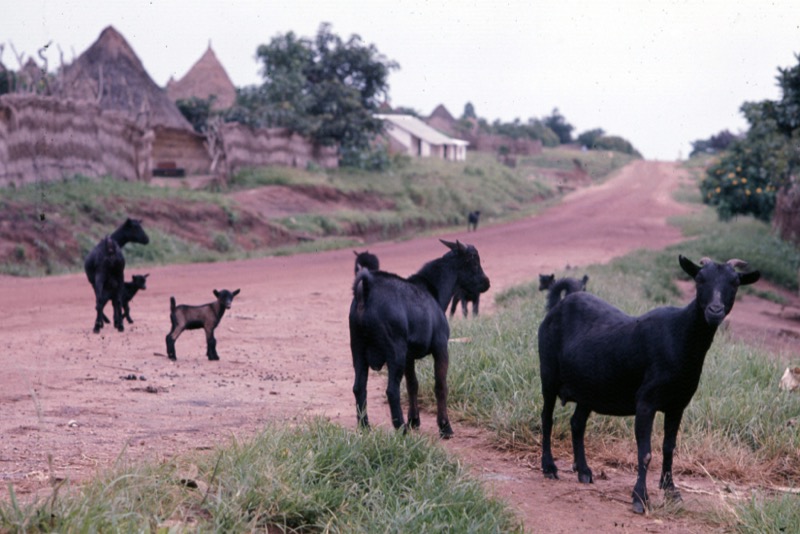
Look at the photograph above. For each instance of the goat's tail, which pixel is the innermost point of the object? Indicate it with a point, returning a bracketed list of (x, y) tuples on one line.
[(361, 288), (172, 318)]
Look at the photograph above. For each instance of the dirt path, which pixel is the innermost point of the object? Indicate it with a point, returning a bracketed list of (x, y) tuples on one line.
[(285, 355)]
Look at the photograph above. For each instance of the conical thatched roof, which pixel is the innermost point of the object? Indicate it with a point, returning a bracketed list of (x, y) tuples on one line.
[(111, 70), (207, 77)]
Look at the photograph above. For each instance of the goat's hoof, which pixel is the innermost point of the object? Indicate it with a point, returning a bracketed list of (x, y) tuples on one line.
[(172, 357), (213, 358), (638, 506), (585, 478), (413, 422), (97, 329), (446, 431)]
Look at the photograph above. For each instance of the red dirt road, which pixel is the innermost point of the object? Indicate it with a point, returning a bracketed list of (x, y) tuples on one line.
[(284, 351)]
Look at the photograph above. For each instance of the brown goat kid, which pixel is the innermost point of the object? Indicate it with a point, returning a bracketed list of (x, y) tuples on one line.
[(207, 317)]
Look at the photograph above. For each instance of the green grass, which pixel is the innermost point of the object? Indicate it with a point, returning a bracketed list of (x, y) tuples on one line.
[(314, 478), (598, 164)]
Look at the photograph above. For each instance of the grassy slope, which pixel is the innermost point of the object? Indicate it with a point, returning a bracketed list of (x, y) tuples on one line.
[(49, 228)]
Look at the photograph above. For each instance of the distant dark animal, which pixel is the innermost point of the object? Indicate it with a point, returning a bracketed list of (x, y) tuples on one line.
[(605, 361), (464, 297), (206, 316), (556, 290), (395, 321), (365, 260), (105, 269), (130, 289), (472, 220)]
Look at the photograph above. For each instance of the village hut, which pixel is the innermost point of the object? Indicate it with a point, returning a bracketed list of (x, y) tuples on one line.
[(111, 74), (205, 79)]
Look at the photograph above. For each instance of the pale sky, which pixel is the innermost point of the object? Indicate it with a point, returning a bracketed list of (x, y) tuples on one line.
[(658, 73)]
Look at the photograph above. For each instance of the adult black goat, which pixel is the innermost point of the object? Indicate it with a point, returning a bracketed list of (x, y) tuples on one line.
[(395, 321), (473, 218), (205, 316), (105, 269), (562, 287), (366, 260), (605, 361)]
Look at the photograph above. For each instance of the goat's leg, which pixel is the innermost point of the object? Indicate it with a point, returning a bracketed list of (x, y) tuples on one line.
[(475, 305), (100, 302), (578, 427), (360, 388), (211, 346), (672, 421), (126, 313), (453, 306), (441, 362), (116, 302), (549, 468), (412, 386), (172, 337), (644, 428), (464, 310), (395, 369)]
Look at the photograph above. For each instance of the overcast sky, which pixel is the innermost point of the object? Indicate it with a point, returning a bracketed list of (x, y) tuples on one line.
[(659, 73)]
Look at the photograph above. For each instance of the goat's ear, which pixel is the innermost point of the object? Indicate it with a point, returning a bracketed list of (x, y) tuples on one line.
[(688, 266), (355, 253), (749, 278), (236, 292), (449, 244), (146, 275), (216, 293)]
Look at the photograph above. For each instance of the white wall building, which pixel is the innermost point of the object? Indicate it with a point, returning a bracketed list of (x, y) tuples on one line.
[(411, 136)]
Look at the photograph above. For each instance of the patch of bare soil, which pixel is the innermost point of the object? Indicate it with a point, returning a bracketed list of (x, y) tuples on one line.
[(69, 409)]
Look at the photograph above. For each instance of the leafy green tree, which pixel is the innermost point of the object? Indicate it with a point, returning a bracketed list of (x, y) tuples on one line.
[(560, 126), (617, 144), (747, 178), (590, 137), (326, 88), (714, 144), (197, 111), (469, 111)]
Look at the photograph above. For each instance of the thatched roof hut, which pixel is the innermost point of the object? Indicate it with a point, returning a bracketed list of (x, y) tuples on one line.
[(207, 77), (110, 73)]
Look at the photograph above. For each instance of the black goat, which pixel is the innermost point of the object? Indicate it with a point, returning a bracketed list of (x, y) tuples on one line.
[(605, 361), (464, 297), (105, 269), (130, 289), (472, 220), (365, 260), (206, 316), (561, 288), (395, 321)]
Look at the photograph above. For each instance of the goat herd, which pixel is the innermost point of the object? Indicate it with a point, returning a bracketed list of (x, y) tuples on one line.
[(590, 352)]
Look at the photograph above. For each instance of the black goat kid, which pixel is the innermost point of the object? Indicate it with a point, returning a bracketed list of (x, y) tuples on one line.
[(605, 361), (366, 260), (394, 321), (206, 316), (139, 281), (105, 269), (561, 288)]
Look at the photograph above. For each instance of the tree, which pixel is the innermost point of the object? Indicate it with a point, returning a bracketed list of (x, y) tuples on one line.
[(560, 126), (327, 89), (714, 144), (590, 137), (469, 111), (748, 177)]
